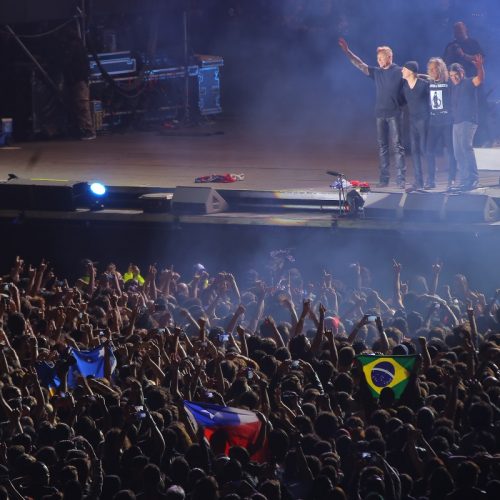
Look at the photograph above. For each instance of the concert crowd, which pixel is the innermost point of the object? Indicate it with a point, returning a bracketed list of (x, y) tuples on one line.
[(155, 385)]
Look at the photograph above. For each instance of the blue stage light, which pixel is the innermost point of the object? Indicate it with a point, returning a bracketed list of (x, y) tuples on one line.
[(97, 189)]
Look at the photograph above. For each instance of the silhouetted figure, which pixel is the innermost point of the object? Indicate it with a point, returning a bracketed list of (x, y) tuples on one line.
[(462, 49)]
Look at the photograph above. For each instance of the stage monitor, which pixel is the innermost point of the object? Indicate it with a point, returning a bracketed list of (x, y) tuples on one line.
[(42, 194), (188, 200), (36, 11), (384, 205), (424, 207), (471, 208)]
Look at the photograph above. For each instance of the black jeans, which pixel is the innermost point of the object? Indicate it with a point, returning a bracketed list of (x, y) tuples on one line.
[(418, 140), (389, 140), (440, 134)]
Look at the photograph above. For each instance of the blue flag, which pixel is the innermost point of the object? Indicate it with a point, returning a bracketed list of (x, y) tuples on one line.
[(47, 375), (89, 363)]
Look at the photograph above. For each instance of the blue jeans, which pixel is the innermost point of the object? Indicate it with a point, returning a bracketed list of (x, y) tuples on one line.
[(389, 140), (418, 140), (463, 135)]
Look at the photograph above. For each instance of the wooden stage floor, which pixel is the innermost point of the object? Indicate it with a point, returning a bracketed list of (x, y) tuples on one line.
[(271, 158)]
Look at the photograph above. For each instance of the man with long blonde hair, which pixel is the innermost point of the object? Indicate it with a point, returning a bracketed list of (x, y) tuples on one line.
[(441, 121)]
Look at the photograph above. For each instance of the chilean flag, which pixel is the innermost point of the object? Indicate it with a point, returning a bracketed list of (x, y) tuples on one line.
[(242, 426)]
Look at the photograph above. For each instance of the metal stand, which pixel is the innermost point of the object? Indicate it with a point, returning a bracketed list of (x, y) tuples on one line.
[(82, 22), (340, 184)]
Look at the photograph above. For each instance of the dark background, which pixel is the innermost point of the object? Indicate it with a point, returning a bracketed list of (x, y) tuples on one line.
[(283, 68), (282, 62)]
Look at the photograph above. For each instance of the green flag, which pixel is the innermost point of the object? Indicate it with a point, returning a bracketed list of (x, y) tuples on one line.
[(387, 371)]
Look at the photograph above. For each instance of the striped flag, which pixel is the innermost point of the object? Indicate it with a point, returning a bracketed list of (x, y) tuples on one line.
[(387, 371), (242, 427)]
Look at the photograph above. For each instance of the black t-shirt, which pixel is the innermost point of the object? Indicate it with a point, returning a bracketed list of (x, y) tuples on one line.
[(388, 86), (470, 47), (417, 99), (440, 102), (464, 98)]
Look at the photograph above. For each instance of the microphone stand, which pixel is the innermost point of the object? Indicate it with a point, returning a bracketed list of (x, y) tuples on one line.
[(339, 184)]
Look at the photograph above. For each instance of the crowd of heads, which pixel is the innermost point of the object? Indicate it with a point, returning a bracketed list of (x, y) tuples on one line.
[(273, 342)]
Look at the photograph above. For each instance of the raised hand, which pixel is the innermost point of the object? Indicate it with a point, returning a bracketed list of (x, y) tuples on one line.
[(306, 307), (91, 270), (31, 271), (152, 272), (343, 45), (436, 268), (269, 320), (477, 60), (43, 265), (329, 334), (327, 279), (396, 266), (17, 268), (261, 290)]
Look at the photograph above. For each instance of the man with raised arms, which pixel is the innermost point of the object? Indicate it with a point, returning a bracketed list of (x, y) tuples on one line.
[(388, 101)]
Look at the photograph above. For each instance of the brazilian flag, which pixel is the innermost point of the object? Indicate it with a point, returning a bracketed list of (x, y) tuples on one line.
[(387, 371)]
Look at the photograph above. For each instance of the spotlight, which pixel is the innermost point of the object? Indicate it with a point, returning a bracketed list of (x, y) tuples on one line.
[(97, 189), (96, 195)]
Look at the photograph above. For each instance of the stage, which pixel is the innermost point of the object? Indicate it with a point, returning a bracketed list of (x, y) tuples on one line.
[(283, 169)]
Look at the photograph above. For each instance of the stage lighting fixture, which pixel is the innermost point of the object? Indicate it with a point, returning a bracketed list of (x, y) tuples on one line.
[(96, 195), (97, 189)]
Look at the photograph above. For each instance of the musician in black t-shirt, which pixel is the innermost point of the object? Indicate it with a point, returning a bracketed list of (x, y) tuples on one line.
[(441, 121), (388, 101), (416, 94), (464, 99), (462, 51)]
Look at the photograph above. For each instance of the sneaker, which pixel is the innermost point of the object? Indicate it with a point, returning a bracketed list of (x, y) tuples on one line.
[(87, 135), (430, 185), (382, 184), (469, 186), (401, 184)]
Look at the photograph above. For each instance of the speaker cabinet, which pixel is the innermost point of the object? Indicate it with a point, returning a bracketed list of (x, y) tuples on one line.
[(471, 208), (424, 207), (197, 200), (41, 194)]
